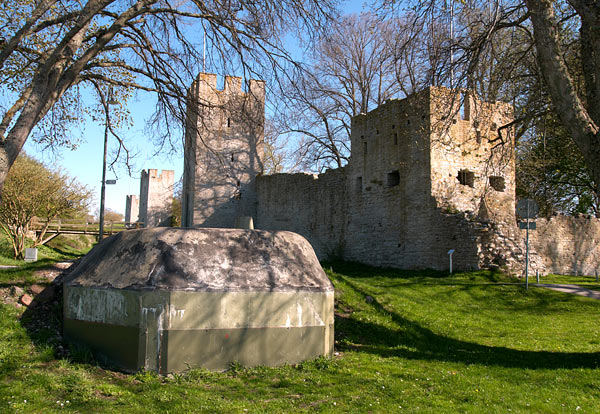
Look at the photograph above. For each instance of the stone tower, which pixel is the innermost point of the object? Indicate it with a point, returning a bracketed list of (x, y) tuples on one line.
[(418, 167), (156, 197), (132, 208), (425, 175), (223, 151)]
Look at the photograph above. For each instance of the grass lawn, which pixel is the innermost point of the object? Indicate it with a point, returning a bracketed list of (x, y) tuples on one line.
[(406, 342), (63, 247)]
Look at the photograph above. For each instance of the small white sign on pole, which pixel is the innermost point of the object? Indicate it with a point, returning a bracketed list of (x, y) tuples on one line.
[(450, 255), (527, 209), (31, 254)]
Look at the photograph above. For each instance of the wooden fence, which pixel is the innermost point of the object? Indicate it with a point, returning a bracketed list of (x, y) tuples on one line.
[(78, 226)]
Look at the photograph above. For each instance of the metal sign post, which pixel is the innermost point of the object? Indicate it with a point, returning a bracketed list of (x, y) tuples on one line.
[(527, 209), (527, 256)]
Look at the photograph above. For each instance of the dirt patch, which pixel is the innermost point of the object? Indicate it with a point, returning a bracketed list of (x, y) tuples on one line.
[(52, 272)]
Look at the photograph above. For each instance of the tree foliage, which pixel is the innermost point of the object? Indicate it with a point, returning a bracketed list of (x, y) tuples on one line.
[(33, 191), (112, 216), (552, 171)]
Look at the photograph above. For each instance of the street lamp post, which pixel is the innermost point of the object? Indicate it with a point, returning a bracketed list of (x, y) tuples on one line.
[(111, 101), (103, 188)]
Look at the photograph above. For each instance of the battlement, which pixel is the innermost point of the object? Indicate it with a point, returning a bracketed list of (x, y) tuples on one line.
[(232, 85), (443, 106), (165, 176)]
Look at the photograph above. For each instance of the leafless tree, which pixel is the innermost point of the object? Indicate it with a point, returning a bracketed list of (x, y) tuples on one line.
[(350, 73), (503, 48), (53, 49)]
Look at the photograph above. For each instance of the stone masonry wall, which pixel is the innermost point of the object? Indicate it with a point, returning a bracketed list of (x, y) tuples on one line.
[(132, 208), (378, 209), (156, 197), (567, 245), (313, 206), (223, 151)]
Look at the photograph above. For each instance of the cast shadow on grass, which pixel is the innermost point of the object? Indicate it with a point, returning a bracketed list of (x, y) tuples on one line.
[(424, 276), (43, 321), (413, 341), (22, 275)]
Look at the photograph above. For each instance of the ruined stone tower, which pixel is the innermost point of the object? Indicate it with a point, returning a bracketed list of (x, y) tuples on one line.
[(223, 151), (132, 208), (422, 171), (418, 167), (156, 197)]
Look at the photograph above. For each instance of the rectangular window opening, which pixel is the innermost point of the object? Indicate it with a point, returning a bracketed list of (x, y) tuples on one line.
[(359, 184), (497, 183), (466, 177), (393, 179)]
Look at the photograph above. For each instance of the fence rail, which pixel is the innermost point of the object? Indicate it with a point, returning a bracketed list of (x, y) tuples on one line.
[(62, 226)]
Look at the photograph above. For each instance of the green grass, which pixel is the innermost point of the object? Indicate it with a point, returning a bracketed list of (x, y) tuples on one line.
[(63, 247), (423, 342)]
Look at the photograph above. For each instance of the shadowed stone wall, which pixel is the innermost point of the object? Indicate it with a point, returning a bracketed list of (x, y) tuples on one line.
[(223, 150), (567, 244), (132, 208)]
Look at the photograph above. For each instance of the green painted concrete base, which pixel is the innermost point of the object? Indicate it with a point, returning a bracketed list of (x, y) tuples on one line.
[(213, 349), (170, 331), (111, 344)]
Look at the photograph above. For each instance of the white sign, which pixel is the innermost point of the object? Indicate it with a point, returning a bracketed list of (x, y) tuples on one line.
[(31, 254)]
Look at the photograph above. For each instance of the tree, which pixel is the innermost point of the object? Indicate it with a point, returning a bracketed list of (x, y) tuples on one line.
[(577, 108), (552, 171), (112, 216), (32, 190), (53, 50), (351, 72), (563, 39)]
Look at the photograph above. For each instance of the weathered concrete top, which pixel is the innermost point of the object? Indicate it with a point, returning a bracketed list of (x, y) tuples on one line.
[(202, 260)]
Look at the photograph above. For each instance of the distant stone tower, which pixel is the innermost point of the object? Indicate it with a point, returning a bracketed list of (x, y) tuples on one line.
[(132, 208), (156, 197), (223, 151)]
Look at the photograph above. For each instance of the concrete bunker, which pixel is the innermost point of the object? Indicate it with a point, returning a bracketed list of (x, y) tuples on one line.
[(166, 299)]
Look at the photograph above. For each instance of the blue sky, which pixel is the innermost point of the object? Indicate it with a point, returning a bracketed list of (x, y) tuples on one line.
[(85, 163)]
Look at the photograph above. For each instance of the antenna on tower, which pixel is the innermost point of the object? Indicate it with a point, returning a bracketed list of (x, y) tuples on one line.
[(203, 50)]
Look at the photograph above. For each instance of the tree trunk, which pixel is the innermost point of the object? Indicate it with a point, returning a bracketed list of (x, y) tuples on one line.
[(574, 116), (4, 167)]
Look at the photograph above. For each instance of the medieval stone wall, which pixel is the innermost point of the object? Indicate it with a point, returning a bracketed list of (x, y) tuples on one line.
[(313, 206), (567, 245), (426, 174), (378, 209)]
